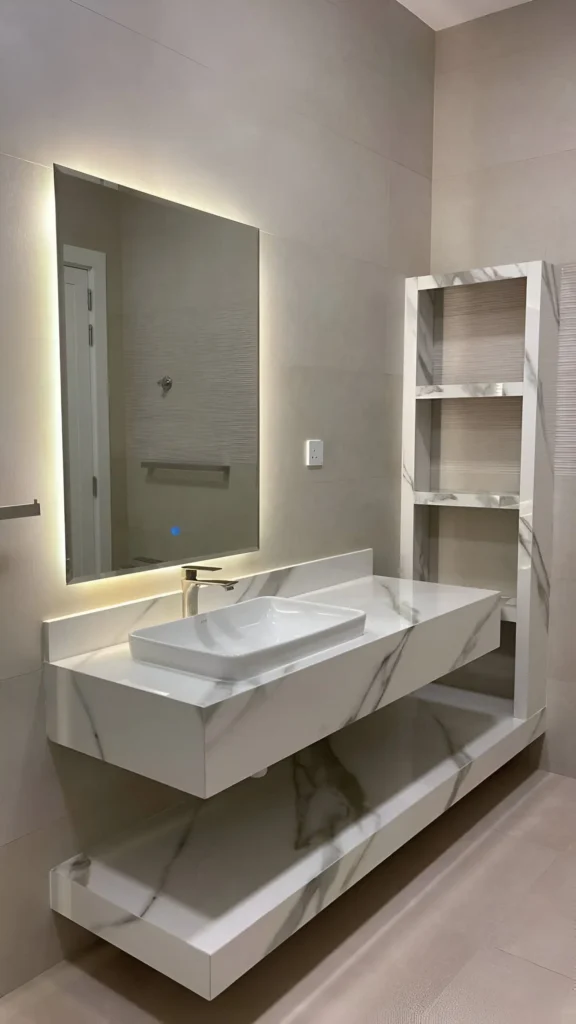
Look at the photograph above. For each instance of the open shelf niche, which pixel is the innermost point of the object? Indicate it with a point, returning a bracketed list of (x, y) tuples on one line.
[(480, 360)]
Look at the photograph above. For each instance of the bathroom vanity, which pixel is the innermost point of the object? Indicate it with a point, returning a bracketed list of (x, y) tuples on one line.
[(313, 718), (364, 743)]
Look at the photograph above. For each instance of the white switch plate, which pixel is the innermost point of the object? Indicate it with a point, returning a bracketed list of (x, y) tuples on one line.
[(314, 453)]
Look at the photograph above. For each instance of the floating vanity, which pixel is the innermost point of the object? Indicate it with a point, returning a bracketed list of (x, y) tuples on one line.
[(314, 718), (201, 735), (364, 749)]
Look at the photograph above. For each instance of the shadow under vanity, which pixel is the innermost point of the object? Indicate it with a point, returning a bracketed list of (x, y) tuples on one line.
[(360, 742)]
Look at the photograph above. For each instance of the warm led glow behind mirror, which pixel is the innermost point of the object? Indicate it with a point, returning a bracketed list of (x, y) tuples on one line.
[(159, 354)]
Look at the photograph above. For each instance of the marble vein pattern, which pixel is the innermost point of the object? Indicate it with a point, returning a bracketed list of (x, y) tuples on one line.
[(531, 548), (512, 389), (411, 373), (202, 736), (105, 627), (536, 488), (467, 500), (534, 500), (205, 892)]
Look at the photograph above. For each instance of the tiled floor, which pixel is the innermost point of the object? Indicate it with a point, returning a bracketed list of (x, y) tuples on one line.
[(474, 922)]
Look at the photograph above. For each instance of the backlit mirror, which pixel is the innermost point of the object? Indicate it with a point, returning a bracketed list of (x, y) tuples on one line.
[(159, 355)]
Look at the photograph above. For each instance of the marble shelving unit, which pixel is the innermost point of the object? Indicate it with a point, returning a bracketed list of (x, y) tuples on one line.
[(480, 363)]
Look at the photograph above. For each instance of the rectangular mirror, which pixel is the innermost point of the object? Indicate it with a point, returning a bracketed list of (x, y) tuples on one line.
[(159, 353)]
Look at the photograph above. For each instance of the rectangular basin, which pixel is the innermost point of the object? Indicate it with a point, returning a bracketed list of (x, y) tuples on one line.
[(246, 639)]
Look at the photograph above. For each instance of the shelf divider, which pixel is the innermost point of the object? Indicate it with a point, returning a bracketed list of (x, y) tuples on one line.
[(507, 389), (467, 499)]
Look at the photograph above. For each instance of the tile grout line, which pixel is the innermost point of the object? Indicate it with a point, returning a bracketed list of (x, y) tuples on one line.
[(526, 960), (244, 79)]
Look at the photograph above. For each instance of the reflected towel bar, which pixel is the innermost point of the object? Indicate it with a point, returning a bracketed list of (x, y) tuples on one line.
[(20, 511), (206, 466)]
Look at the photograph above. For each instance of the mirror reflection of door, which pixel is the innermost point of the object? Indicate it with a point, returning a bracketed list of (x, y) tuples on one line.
[(86, 427)]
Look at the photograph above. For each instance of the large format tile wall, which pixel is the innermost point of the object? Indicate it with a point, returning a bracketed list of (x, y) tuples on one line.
[(311, 119), (503, 191)]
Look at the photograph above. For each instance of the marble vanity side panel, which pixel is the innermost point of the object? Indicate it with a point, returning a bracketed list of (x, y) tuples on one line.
[(409, 430), (141, 731), (536, 488), (89, 631), (164, 952), (243, 733)]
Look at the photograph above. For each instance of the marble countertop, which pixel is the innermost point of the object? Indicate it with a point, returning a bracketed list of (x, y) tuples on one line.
[(392, 607), (202, 736)]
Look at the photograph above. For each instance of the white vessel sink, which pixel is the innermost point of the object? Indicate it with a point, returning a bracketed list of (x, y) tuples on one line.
[(246, 639)]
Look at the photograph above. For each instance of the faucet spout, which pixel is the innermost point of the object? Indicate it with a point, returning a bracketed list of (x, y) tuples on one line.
[(191, 585)]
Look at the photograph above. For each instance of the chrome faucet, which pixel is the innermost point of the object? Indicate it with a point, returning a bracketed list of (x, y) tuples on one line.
[(191, 585)]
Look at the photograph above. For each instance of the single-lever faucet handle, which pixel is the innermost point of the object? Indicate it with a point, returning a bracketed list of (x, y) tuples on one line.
[(190, 575), (190, 572)]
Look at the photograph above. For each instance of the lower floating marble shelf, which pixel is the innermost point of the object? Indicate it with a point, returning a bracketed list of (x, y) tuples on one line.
[(203, 894), (465, 499)]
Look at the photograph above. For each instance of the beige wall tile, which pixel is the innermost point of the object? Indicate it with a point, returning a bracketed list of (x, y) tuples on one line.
[(559, 753), (510, 109), (243, 154), (31, 550), (539, 27), (29, 940), (30, 794), (358, 411), (562, 656), (410, 214), (344, 72), (564, 565), (320, 309), (503, 214)]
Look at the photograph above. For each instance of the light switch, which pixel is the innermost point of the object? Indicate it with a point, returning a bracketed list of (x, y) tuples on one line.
[(314, 455)]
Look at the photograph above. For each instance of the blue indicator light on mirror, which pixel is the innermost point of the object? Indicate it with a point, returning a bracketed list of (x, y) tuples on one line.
[(175, 531)]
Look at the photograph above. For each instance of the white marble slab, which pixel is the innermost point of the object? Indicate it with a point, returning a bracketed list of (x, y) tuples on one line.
[(202, 736), (512, 389), (204, 893), (467, 499), (531, 594), (537, 487), (481, 275), (89, 631)]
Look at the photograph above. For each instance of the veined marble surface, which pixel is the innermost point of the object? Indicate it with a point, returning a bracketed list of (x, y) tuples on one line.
[(424, 326), (467, 499), (512, 389), (481, 275), (89, 631), (203, 736), (204, 893)]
